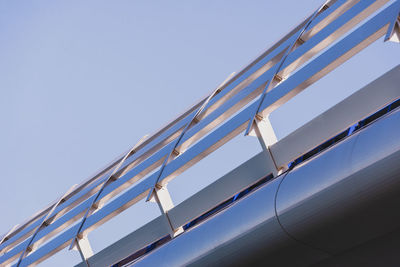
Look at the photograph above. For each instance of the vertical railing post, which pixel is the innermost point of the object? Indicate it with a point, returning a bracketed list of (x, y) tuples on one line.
[(80, 241), (159, 193), (164, 201), (276, 79), (263, 130), (84, 249)]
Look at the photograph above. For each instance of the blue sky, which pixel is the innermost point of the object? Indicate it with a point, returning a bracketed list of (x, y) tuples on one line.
[(82, 81)]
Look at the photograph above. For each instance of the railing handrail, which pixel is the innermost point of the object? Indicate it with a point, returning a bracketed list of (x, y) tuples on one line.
[(224, 116)]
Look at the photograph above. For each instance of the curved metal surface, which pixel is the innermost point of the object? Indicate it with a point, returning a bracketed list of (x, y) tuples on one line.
[(349, 194), (246, 233), (342, 198)]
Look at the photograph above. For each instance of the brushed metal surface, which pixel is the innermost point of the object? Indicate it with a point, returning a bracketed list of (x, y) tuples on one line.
[(153, 231), (247, 233), (381, 251), (342, 199), (225, 187), (349, 194), (354, 108)]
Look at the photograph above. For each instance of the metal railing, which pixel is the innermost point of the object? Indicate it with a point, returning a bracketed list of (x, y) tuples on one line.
[(322, 47)]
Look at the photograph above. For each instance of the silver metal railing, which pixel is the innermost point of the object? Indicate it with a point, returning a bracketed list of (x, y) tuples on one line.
[(224, 115)]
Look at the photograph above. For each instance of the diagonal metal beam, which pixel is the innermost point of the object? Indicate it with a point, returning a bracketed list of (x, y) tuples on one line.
[(43, 223), (94, 206), (276, 79)]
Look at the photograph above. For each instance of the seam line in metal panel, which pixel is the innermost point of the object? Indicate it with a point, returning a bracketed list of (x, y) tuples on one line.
[(283, 228)]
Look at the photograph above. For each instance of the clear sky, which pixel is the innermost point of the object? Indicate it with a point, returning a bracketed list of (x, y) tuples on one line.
[(82, 81)]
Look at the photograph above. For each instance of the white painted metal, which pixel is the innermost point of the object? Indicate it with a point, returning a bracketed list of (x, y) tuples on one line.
[(164, 202), (84, 248), (393, 33), (262, 128)]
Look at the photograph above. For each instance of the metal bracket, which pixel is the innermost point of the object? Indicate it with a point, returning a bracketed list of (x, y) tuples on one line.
[(265, 133), (84, 248), (262, 128), (393, 33), (164, 201)]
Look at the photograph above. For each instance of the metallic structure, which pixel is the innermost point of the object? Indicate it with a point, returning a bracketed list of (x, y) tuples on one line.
[(286, 208)]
